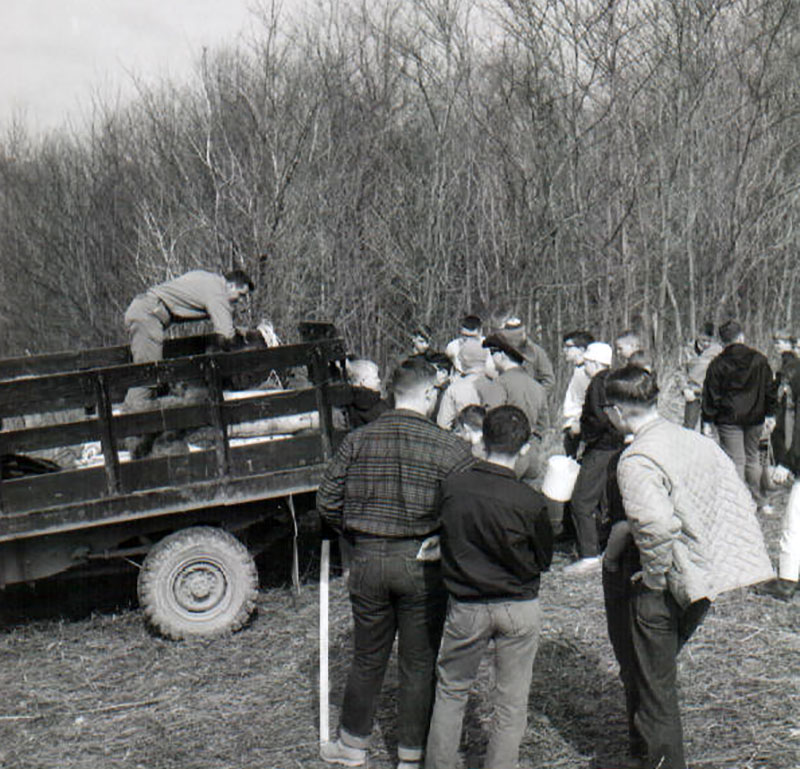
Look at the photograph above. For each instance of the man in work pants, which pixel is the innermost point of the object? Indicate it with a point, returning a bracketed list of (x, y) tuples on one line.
[(694, 525), (197, 295), (739, 397), (380, 491)]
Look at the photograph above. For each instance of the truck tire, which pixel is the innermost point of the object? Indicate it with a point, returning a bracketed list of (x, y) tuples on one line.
[(199, 581)]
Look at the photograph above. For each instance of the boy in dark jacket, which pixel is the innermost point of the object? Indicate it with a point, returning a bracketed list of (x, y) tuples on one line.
[(739, 398), (496, 540), (602, 443)]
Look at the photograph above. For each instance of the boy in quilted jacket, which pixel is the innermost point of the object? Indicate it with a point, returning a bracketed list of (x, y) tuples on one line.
[(693, 521)]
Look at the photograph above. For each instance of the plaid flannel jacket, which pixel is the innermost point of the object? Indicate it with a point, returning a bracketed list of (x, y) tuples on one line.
[(384, 479)]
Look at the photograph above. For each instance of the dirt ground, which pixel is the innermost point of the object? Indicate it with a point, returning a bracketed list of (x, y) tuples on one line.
[(87, 686)]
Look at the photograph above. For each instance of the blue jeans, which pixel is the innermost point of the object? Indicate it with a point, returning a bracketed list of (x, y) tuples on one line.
[(514, 626), (392, 593)]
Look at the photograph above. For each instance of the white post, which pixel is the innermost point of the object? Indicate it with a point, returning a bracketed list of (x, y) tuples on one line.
[(324, 683)]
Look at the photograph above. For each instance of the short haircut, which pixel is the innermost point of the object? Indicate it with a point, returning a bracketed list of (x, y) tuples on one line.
[(471, 416), (729, 331), (359, 369), (471, 323), (505, 430), (580, 339), (411, 374), (632, 385), (240, 278), (438, 359)]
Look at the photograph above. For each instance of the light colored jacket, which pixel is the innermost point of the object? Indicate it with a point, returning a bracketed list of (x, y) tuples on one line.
[(198, 295), (696, 368), (575, 396), (691, 516), (460, 393)]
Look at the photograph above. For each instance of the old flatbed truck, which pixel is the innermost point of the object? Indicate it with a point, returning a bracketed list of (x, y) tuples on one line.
[(178, 511)]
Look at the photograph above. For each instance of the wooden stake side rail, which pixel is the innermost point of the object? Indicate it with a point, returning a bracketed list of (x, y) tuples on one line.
[(160, 502), (98, 357), (55, 392), (173, 418), (78, 498)]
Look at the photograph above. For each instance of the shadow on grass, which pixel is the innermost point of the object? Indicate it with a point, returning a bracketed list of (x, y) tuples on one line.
[(576, 710), (72, 596)]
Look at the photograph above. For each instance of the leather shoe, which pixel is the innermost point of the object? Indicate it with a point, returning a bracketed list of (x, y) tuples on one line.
[(338, 753)]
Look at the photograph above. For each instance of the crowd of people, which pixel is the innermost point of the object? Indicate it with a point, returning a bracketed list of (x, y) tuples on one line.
[(439, 500), (436, 496)]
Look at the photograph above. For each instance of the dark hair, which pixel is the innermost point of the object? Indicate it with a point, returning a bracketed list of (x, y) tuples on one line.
[(438, 359), (708, 329), (505, 430), (632, 385), (471, 416), (729, 330), (412, 373), (498, 343), (240, 278), (641, 359), (579, 338), (471, 323)]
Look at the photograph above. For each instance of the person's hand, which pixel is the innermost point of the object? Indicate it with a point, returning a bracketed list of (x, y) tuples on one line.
[(689, 395), (769, 424), (429, 550), (575, 429), (648, 581), (708, 430), (781, 475)]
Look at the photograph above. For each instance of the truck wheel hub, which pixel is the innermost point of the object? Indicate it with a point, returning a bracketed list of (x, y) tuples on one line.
[(200, 587)]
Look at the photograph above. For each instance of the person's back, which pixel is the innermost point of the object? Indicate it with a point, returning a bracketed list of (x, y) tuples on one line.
[(536, 361), (738, 387), (380, 490), (714, 522), (394, 465), (596, 429), (197, 295), (695, 528), (524, 392), (496, 535), (739, 397), (496, 540)]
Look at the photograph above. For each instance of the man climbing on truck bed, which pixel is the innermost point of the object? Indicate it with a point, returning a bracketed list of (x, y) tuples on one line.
[(197, 295)]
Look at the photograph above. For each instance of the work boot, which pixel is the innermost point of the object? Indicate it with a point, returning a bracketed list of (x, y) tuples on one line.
[(339, 753), (782, 589)]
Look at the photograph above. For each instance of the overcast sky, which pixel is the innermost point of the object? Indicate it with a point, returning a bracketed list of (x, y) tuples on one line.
[(56, 54)]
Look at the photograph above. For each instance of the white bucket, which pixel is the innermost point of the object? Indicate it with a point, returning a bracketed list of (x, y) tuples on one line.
[(559, 478)]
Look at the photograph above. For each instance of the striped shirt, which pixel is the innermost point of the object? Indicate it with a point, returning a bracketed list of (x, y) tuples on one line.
[(385, 477)]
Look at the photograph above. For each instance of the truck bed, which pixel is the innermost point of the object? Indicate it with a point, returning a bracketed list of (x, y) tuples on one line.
[(114, 492)]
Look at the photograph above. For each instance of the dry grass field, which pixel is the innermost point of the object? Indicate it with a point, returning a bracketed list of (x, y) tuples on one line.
[(86, 686)]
